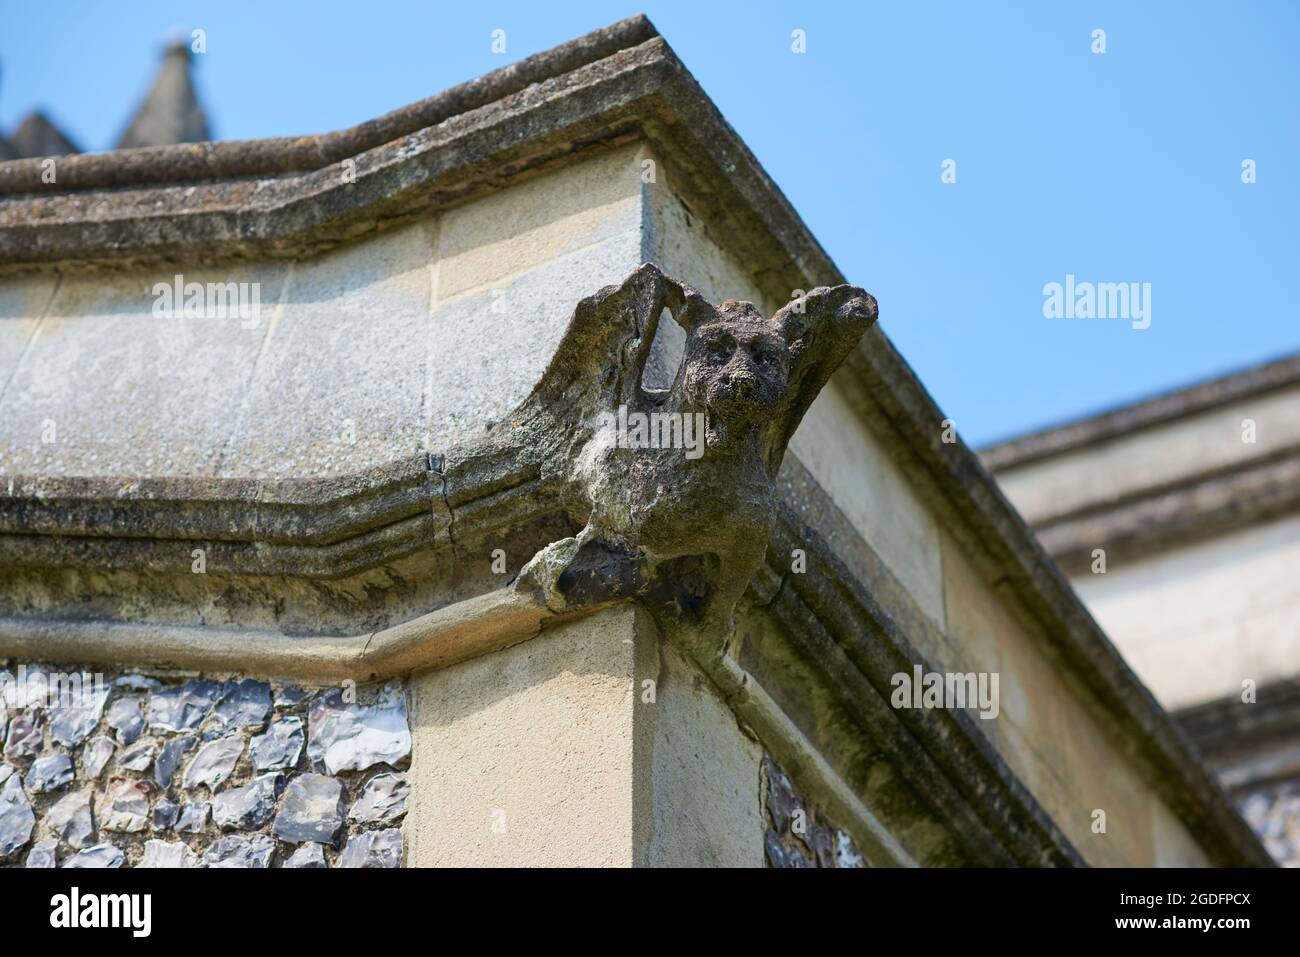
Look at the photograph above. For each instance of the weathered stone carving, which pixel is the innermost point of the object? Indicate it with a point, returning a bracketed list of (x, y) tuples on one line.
[(679, 482)]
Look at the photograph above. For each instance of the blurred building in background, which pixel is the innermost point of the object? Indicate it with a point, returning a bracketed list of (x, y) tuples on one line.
[(1178, 522), (170, 113)]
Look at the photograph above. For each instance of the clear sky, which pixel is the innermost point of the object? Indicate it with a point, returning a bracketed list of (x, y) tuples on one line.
[(1122, 166)]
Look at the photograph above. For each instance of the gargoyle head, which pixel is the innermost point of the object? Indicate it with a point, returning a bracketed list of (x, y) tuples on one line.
[(755, 377), (736, 368)]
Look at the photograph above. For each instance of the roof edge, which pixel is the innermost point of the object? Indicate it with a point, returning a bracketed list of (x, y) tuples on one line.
[(1165, 407), (273, 156)]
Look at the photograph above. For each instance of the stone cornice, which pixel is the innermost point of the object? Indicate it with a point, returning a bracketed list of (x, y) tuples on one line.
[(276, 156), (1225, 723), (1202, 502), (856, 643), (1163, 409), (857, 637), (309, 528), (1192, 510)]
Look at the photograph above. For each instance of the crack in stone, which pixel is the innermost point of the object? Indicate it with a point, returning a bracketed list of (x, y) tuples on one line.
[(437, 465)]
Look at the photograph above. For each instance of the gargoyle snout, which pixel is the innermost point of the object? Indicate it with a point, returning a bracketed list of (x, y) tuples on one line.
[(742, 382)]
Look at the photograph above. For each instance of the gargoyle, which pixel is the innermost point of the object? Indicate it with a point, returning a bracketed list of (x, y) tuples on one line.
[(679, 512)]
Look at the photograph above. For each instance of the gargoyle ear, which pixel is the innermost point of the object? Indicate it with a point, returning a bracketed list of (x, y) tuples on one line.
[(825, 312), (689, 308), (819, 329)]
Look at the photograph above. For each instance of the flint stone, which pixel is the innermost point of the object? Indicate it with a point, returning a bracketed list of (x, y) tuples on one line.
[(383, 801), (137, 683), (779, 855), (16, 817), (126, 718), (822, 843), (50, 773), (244, 704), (1255, 809), (289, 697), (250, 806), (95, 755), (214, 762), (167, 854), (846, 852), (24, 740), (280, 747), (125, 807), (101, 855), (781, 802), (354, 737), (234, 850), (183, 707), (164, 815), (43, 854), (169, 759), (373, 849), (70, 726), (312, 810), (194, 818), (139, 756), (308, 855), (5, 771), (70, 820)]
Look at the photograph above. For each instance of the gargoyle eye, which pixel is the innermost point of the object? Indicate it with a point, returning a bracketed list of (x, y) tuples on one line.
[(717, 350)]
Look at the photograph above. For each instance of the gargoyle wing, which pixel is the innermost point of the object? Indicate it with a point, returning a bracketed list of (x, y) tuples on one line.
[(599, 362)]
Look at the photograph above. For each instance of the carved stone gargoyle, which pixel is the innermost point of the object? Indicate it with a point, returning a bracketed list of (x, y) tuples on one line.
[(679, 483)]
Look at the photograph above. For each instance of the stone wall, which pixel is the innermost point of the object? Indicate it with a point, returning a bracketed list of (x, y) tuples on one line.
[(113, 770)]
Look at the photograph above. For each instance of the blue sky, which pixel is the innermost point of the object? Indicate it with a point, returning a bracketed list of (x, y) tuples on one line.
[(1117, 167)]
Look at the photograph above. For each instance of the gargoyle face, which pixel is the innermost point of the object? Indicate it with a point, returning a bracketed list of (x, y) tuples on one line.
[(737, 367)]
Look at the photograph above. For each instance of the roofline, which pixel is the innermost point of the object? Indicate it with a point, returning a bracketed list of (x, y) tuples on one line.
[(641, 90), (1224, 723), (1166, 407), (272, 156)]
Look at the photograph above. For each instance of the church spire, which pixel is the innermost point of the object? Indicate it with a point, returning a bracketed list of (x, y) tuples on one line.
[(170, 112), (38, 136)]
